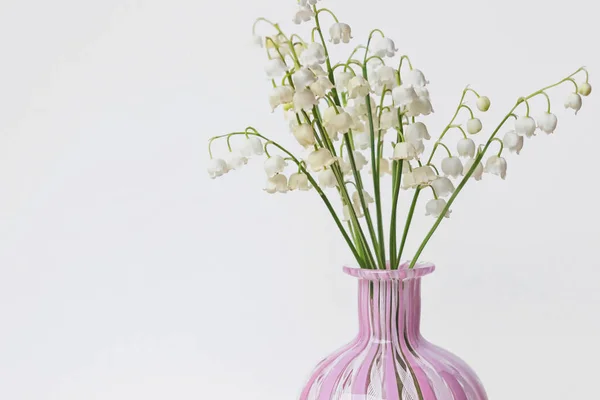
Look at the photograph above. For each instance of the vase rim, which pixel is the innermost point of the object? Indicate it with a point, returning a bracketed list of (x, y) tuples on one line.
[(402, 273)]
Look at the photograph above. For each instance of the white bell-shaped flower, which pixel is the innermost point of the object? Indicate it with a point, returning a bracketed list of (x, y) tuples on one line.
[(298, 181), (359, 160), (327, 178), (329, 113), (319, 159), (422, 106), (525, 126), (435, 208), (276, 183), (275, 68), (404, 95), (280, 95), (384, 47), (304, 134), (574, 102), (415, 78), (303, 14), (236, 161), (308, 2), (342, 78), (513, 142), (496, 165), (424, 175), (452, 166), (217, 167), (360, 107), (389, 119), (477, 173), (416, 131), (258, 40), (466, 148), (340, 32), (345, 166), (304, 99), (408, 181), (474, 126), (443, 186), (313, 55), (318, 70), (418, 145), (366, 196), (386, 76), (321, 86), (249, 146), (339, 123), (585, 89), (483, 103), (346, 213), (274, 165), (362, 140), (404, 151), (303, 78), (384, 167), (358, 87), (547, 122)]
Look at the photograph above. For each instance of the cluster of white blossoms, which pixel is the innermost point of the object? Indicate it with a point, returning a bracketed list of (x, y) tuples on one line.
[(361, 121)]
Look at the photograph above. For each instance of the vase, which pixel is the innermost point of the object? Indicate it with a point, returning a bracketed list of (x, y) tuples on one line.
[(389, 359)]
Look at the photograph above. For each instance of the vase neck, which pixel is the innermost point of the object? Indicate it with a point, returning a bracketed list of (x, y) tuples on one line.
[(390, 309)]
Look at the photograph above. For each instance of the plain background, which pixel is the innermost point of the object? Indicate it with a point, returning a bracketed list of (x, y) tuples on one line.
[(125, 273)]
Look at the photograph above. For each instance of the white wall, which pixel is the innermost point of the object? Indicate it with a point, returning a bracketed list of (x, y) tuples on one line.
[(125, 273)]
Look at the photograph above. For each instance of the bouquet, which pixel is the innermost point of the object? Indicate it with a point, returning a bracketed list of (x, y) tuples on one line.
[(360, 123)]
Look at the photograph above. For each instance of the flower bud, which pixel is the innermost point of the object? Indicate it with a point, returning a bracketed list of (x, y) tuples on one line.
[(585, 89), (474, 126), (483, 103)]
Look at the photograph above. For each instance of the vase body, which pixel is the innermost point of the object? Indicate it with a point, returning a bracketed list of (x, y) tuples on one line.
[(389, 359)]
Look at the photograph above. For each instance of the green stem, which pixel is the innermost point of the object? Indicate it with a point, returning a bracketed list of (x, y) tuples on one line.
[(409, 218)]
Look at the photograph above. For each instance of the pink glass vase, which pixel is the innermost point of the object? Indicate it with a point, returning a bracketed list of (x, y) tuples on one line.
[(389, 359)]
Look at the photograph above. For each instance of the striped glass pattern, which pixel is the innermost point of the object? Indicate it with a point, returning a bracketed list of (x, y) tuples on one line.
[(389, 359)]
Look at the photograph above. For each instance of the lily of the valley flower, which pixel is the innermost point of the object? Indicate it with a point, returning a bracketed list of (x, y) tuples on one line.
[(276, 183), (574, 102), (346, 213), (385, 76), (321, 86), (416, 131), (280, 95), (423, 175), (366, 196), (496, 165), (513, 142), (319, 159), (404, 151), (585, 89), (304, 134), (304, 99), (308, 2), (483, 103), (217, 167), (477, 173), (474, 126), (452, 166), (362, 141), (525, 126), (389, 119), (303, 77), (358, 87), (249, 146), (384, 47), (384, 167), (443, 186), (466, 148), (342, 78), (415, 78), (422, 106), (404, 95), (303, 14), (327, 178), (313, 55), (258, 40), (338, 123), (340, 32), (547, 122), (435, 208), (359, 160), (274, 165), (418, 145), (298, 181), (275, 68), (236, 161)]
